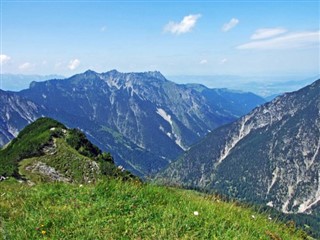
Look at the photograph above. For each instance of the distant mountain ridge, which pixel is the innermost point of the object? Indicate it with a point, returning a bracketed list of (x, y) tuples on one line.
[(17, 82), (144, 119), (269, 156), (264, 86)]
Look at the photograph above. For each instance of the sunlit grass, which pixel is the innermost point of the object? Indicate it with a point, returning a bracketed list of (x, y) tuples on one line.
[(113, 209)]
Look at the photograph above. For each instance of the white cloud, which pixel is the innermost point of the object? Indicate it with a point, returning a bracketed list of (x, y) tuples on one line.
[(263, 33), (288, 41), (231, 24), (73, 64), (203, 61), (103, 28), (186, 25), (223, 61), (4, 59), (26, 66)]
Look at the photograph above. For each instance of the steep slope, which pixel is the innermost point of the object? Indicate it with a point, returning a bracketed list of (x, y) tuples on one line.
[(46, 150), (237, 103), (15, 113), (270, 156), (143, 119)]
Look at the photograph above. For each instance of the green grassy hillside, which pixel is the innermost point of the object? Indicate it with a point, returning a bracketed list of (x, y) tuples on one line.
[(48, 151), (28, 143), (115, 209)]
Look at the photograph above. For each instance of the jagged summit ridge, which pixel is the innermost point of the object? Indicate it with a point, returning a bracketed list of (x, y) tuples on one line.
[(118, 79)]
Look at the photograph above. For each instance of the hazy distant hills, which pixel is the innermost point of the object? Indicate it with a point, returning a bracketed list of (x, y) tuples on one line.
[(143, 119), (269, 156), (17, 82), (265, 86)]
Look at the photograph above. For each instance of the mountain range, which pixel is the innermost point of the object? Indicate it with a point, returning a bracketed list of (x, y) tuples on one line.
[(143, 119), (229, 142), (266, 86), (270, 156)]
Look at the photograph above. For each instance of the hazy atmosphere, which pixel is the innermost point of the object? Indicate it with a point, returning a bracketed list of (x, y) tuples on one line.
[(177, 38)]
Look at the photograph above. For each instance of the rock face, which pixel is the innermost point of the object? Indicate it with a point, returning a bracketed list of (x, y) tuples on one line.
[(143, 119), (270, 156), (15, 113)]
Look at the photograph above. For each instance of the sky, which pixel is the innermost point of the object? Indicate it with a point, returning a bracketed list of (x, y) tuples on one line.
[(245, 38)]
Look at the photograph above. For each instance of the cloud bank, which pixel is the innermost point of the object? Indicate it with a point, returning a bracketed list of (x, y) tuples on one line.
[(263, 33), (288, 41)]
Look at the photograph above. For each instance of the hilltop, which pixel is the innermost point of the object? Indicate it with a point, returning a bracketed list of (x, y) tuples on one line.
[(46, 150)]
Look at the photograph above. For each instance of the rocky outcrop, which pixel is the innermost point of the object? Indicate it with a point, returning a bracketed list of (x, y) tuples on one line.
[(46, 171)]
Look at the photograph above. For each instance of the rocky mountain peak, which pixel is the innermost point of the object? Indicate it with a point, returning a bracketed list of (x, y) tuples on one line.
[(144, 119), (156, 74), (90, 72), (270, 156)]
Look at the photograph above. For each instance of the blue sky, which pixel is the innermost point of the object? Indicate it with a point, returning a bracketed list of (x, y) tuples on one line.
[(244, 38)]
